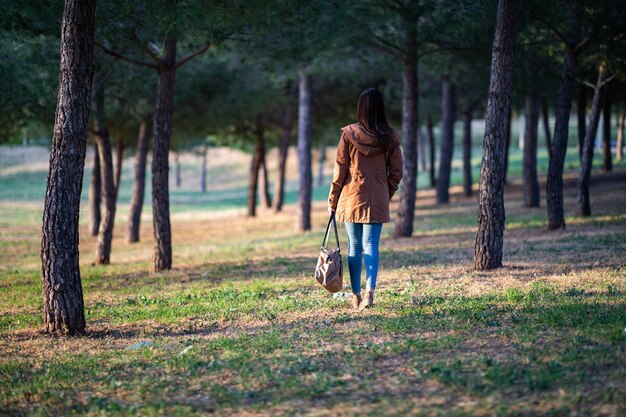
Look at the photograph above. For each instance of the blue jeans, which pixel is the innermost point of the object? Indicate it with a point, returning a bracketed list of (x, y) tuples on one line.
[(363, 238)]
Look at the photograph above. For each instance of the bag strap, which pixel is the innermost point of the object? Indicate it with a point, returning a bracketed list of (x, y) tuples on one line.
[(327, 234)]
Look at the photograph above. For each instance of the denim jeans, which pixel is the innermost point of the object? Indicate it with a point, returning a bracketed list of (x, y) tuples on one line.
[(363, 238)]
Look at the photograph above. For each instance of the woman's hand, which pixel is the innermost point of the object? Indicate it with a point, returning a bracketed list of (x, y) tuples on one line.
[(330, 210)]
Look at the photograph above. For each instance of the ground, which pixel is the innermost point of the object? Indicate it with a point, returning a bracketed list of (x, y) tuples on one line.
[(239, 326)]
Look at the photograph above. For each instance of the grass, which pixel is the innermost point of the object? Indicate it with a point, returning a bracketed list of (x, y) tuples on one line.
[(239, 328)]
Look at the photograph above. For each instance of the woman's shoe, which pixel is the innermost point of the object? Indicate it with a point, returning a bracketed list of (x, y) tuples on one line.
[(356, 300), (367, 302)]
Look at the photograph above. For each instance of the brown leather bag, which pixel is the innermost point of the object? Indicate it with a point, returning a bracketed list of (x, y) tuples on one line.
[(329, 269)]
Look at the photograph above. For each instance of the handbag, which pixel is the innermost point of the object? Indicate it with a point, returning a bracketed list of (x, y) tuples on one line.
[(329, 269)]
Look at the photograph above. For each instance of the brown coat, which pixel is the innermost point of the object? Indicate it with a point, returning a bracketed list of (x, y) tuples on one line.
[(362, 183)]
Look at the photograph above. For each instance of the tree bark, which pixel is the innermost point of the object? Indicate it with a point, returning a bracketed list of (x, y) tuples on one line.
[(584, 176), (283, 151), (320, 167), (255, 166), (406, 206), (431, 149), (63, 311), (581, 111), (304, 154), (447, 141), (491, 215), (162, 258), (507, 145), (119, 158), (554, 185), (530, 182), (607, 158), (620, 137), (546, 122), (203, 163), (139, 187), (103, 139), (467, 150), (95, 194)]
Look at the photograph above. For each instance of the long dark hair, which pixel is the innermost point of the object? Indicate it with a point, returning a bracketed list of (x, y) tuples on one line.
[(370, 113)]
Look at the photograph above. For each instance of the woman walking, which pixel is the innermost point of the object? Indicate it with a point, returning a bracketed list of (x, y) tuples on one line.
[(368, 169)]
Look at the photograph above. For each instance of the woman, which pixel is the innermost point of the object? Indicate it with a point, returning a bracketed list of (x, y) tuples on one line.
[(368, 169)]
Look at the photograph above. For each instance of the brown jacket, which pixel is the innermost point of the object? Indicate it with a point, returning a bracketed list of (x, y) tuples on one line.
[(362, 183)]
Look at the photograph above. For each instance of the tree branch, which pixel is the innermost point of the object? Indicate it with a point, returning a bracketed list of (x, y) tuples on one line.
[(582, 44), (552, 28), (607, 80), (143, 46), (125, 58), (192, 55)]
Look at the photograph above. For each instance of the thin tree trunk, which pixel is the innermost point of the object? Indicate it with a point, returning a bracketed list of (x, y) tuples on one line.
[(266, 198), (105, 233), (119, 158), (491, 216), (139, 187), (63, 311), (406, 206), (162, 258), (546, 122), (507, 145), (431, 149), (421, 150), (320, 167), (531, 184), (95, 194), (203, 163), (255, 165), (581, 110), (584, 177), (554, 184), (620, 137), (304, 154), (606, 136), (177, 178), (447, 141), (283, 151), (467, 150)]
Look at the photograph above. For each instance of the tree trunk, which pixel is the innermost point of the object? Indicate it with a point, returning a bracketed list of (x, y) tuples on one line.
[(467, 150), (584, 176), (320, 168), (620, 137), (447, 141), (119, 158), (304, 154), (606, 136), (95, 194), (431, 149), (255, 165), (63, 311), (546, 122), (139, 187), (507, 145), (421, 150), (581, 110), (177, 178), (103, 139), (203, 162), (283, 151), (406, 206), (491, 216), (266, 196), (162, 258), (554, 185), (531, 184)]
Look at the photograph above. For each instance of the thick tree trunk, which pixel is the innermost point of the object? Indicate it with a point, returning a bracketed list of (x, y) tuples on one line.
[(304, 154), (620, 137), (607, 158), (283, 151), (546, 122), (584, 176), (119, 158), (162, 258), (255, 165), (203, 163), (447, 141), (406, 206), (431, 150), (467, 150), (103, 139), (139, 187), (63, 311), (177, 179), (320, 166), (581, 111), (491, 216), (530, 182), (95, 194), (507, 145)]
